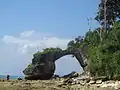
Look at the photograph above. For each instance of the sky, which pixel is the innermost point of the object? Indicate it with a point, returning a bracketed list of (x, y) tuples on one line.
[(27, 26)]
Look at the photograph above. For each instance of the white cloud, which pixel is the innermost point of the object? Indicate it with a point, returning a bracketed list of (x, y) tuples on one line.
[(27, 33), (16, 52), (41, 42)]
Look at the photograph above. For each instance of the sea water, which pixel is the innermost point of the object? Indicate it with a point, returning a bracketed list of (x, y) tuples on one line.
[(11, 77)]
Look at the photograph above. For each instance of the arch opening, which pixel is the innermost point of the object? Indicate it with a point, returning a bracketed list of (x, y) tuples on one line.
[(66, 65)]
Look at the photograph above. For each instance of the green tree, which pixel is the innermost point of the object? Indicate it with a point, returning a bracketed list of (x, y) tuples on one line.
[(104, 58), (108, 13)]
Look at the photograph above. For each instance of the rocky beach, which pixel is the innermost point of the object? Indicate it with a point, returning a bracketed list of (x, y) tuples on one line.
[(46, 85), (71, 81)]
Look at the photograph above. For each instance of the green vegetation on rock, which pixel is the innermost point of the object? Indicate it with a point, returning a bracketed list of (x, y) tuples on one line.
[(46, 50)]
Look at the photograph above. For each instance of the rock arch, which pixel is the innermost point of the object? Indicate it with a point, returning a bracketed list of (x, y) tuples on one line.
[(43, 65)]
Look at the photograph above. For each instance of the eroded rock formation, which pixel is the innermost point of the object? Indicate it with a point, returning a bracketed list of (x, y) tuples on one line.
[(43, 65)]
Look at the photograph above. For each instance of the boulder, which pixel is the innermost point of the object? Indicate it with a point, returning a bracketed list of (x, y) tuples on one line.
[(71, 75), (55, 76), (19, 78)]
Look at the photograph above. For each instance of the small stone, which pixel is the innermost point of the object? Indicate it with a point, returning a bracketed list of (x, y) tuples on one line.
[(98, 81), (98, 85), (117, 87), (2, 80), (61, 79), (60, 85), (92, 82), (68, 81), (73, 83), (82, 82), (27, 83), (77, 82), (75, 74), (12, 83), (57, 78)]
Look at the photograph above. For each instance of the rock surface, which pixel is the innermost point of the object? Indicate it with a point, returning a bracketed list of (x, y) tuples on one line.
[(49, 85), (43, 65)]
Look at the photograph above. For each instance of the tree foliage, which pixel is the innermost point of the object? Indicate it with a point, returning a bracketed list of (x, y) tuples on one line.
[(112, 12), (76, 42), (104, 58)]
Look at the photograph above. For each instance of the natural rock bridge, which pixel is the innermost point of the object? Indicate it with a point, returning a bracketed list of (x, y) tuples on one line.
[(43, 65)]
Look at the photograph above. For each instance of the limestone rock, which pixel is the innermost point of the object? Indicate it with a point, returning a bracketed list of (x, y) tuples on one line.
[(43, 63)]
